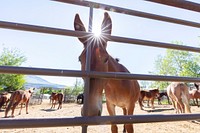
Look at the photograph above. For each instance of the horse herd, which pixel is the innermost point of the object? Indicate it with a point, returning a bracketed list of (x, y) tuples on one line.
[(22, 97), (123, 93), (180, 90)]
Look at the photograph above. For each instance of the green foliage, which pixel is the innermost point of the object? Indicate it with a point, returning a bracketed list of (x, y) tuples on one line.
[(177, 63), (77, 89), (11, 57), (46, 90)]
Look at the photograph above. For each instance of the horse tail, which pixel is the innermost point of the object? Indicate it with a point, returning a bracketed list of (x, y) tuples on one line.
[(185, 102)]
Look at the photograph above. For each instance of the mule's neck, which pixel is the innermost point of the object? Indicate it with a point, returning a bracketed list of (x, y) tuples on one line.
[(115, 66)]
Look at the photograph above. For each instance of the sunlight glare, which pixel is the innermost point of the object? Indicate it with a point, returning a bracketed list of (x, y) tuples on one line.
[(96, 29)]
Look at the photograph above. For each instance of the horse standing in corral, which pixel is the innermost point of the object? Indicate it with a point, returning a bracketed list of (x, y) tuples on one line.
[(148, 95), (80, 97), (57, 97), (195, 94), (19, 97), (122, 93), (4, 99), (179, 96), (160, 97)]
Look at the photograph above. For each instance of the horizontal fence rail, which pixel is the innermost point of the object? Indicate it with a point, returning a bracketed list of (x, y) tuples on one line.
[(92, 74), (130, 12), (57, 31), (179, 4), (97, 120), (103, 120)]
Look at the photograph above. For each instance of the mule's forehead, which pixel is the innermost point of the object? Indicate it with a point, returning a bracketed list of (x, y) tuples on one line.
[(96, 51)]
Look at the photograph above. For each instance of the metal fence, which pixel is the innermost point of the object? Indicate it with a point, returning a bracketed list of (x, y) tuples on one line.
[(84, 121)]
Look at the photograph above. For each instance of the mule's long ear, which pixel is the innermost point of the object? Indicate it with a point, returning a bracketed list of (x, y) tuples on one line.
[(78, 26), (106, 26)]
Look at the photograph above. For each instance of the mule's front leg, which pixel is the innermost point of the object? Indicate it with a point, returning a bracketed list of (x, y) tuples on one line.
[(114, 128), (111, 111), (129, 127)]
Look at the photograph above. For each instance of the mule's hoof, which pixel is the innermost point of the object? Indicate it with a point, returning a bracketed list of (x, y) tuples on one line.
[(26, 112)]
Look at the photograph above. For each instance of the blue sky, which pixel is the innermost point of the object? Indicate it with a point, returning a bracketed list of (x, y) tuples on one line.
[(61, 52)]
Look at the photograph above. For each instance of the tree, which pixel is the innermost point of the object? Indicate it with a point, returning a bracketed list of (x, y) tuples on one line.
[(77, 89), (177, 63), (11, 57)]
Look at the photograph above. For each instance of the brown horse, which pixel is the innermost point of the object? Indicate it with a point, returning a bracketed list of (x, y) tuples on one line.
[(148, 95), (4, 99), (19, 97), (195, 94), (56, 97), (179, 95), (122, 93)]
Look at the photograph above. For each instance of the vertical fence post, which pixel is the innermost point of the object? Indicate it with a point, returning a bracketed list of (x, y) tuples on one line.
[(87, 79)]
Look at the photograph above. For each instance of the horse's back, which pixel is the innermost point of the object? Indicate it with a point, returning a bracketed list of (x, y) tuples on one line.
[(57, 96), (20, 96), (179, 93), (177, 90)]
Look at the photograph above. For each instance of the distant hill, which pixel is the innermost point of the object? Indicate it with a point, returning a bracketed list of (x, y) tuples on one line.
[(37, 82)]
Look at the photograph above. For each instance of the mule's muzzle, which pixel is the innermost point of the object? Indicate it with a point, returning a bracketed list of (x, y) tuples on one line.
[(91, 113)]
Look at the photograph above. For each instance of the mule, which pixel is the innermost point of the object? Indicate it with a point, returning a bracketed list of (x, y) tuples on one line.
[(80, 98), (56, 97), (118, 92), (148, 95), (4, 99), (179, 96), (19, 97), (162, 94)]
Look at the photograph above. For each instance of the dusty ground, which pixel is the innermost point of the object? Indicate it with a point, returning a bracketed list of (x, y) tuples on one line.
[(72, 109)]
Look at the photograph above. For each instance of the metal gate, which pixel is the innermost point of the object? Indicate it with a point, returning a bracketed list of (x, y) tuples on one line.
[(84, 121)]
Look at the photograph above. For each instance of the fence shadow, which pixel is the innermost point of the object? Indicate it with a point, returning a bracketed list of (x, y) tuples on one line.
[(48, 110), (158, 110)]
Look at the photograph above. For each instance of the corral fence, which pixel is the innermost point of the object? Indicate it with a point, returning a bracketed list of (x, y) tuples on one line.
[(84, 121)]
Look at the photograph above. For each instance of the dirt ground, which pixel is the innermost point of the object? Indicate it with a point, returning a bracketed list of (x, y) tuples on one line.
[(73, 109)]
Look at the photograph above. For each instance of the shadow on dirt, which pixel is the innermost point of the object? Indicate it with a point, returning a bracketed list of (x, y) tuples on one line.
[(48, 110), (158, 110)]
